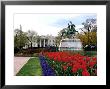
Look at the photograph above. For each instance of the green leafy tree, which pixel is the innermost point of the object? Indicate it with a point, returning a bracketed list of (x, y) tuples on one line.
[(92, 38), (20, 39), (58, 39), (89, 35)]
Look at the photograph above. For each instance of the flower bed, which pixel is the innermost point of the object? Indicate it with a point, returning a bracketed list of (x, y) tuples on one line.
[(66, 64), (46, 69)]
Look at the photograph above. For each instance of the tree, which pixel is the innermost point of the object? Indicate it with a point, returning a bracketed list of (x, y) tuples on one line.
[(20, 39), (92, 38), (89, 30), (32, 37), (90, 25)]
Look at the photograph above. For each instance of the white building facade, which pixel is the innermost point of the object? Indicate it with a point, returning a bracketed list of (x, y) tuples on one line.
[(43, 41)]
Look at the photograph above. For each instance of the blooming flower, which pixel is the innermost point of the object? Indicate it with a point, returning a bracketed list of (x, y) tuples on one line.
[(72, 63), (85, 73), (91, 64), (74, 69), (64, 67)]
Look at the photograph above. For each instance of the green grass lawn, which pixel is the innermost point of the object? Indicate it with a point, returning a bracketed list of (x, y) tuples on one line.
[(90, 53), (86, 53), (31, 68)]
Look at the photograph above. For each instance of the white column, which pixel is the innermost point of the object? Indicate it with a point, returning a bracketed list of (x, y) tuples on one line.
[(40, 42), (36, 43), (44, 42), (48, 42)]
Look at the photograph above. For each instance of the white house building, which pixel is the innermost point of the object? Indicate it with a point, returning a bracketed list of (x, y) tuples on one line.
[(46, 41), (43, 41)]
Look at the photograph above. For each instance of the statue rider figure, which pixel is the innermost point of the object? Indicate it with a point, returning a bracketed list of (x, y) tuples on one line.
[(70, 31)]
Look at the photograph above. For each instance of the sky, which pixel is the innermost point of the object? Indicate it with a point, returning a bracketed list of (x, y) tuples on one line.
[(49, 24)]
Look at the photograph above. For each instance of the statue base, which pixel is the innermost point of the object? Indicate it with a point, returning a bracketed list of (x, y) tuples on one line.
[(72, 44)]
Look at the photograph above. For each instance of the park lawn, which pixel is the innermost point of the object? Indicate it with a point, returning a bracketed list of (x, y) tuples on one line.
[(86, 53), (90, 53), (31, 68)]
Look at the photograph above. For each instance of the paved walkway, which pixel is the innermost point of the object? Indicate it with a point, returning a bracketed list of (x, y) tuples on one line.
[(19, 62)]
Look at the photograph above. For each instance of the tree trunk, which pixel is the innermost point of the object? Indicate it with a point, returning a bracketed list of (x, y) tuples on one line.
[(31, 45)]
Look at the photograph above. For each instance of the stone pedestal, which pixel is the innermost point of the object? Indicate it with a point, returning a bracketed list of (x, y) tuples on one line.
[(70, 45)]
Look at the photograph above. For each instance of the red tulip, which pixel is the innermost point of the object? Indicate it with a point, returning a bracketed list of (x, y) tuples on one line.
[(76, 61), (91, 64), (85, 73), (64, 67), (74, 69)]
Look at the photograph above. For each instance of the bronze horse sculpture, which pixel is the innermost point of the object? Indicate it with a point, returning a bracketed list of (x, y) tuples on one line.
[(69, 31)]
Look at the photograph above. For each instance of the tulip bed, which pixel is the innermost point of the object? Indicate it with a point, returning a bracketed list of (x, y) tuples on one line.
[(46, 69), (67, 64)]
